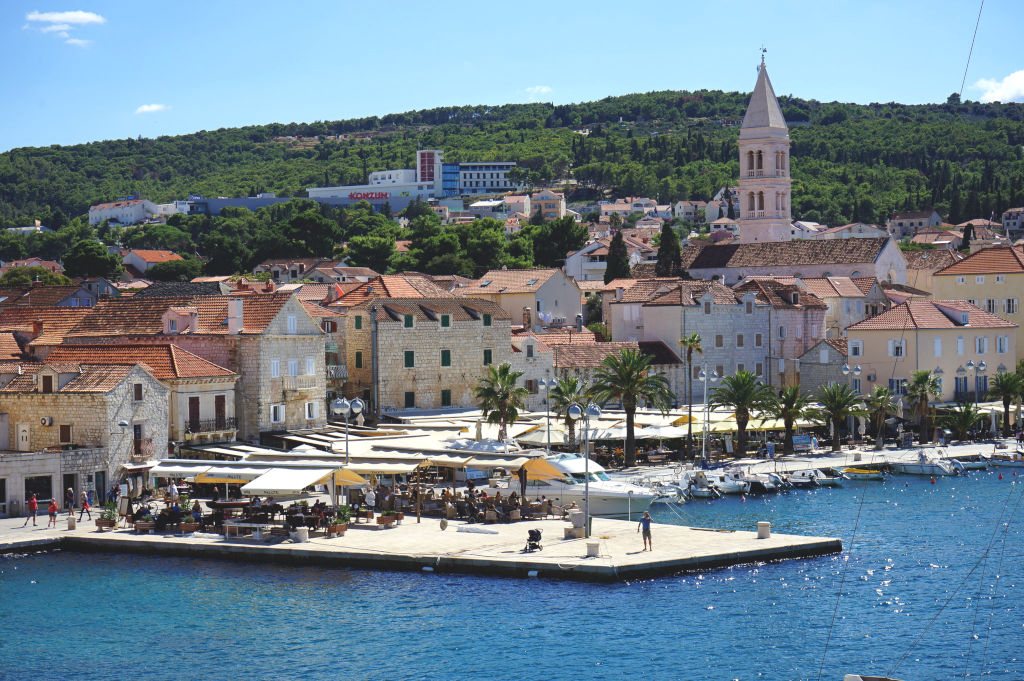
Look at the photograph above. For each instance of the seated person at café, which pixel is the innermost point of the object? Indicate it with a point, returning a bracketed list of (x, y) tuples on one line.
[(163, 519), (142, 513), (197, 511), (255, 502)]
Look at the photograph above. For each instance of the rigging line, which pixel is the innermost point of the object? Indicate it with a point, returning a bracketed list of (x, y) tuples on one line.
[(842, 581), (995, 586), (963, 581), (968, 65)]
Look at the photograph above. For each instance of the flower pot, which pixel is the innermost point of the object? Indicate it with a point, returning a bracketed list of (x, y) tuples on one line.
[(143, 526), (338, 529), (188, 528), (101, 523)]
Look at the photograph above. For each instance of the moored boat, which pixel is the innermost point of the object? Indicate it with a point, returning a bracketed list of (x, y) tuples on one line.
[(926, 463), (863, 474), (1008, 460)]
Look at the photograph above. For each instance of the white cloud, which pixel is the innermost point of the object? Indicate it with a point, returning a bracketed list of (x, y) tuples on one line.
[(1009, 89), (151, 108), (536, 91), (73, 17), (78, 42), (55, 27)]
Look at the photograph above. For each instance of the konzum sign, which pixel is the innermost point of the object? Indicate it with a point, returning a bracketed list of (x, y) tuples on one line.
[(356, 196)]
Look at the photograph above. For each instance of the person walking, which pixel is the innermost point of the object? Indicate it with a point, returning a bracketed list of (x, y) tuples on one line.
[(645, 525), (32, 507), (172, 492), (85, 507), (52, 508), (69, 501)]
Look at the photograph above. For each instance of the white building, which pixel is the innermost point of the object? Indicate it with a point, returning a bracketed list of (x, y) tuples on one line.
[(125, 212)]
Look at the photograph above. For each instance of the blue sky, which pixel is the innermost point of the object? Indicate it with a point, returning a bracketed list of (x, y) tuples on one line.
[(113, 69)]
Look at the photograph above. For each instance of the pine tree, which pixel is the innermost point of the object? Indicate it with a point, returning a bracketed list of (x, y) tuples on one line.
[(669, 255), (618, 259)]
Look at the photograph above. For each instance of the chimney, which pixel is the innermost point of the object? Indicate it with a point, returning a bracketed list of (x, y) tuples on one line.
[(37, 283), (37, 328), (234, 316), (618, 293), (527, 322), (579, 323)]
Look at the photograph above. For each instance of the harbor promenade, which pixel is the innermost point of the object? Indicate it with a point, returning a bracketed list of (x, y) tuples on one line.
[(491, 550)]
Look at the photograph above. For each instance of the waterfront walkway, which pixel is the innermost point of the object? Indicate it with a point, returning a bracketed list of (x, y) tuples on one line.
[(425, 546)]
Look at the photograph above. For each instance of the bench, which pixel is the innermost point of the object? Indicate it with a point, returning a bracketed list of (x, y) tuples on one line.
[(385, 521), (144, 526)]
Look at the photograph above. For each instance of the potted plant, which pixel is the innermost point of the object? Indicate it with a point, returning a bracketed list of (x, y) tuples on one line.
[(108, 517), (339, 524), (188, 523)]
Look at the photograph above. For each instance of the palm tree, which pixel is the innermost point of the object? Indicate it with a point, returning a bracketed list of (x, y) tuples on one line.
[(838, 403), (790, 406), (880, 403), (500, 397), (922, 387), (626, 376), (691, 344), (568, 391), (961, 418), (744, 392), (1007, 388)]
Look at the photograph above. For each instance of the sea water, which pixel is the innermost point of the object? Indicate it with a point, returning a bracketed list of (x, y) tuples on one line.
[(930, 584)]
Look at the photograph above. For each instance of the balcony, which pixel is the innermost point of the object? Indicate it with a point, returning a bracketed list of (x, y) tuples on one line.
[(142, 449), (337, 372), (966, 395), (298, 382), (215, 425)]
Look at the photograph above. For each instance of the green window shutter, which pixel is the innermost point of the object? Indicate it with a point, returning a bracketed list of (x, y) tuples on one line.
[(487, 320), (446, 358), (359, 360), (410, 400), (408, 321), (487, 357), (446, 398), (359, 321), (446, 321), (410, 359)]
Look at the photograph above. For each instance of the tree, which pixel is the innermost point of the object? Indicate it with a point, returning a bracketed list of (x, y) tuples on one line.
[(690, 345), (965, 243), (790, 406), (743, 392), (961, 419), (838, 403), (923, 386), (175, 270), (881, 403), (1005, 387), (88, 258), (371, 251), (670, 262), (568, 391), (618, 260), (500, 398), (25, 276), (626, 377)]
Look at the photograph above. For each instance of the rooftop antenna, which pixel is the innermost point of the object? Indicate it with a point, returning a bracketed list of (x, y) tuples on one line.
[(764, 51)]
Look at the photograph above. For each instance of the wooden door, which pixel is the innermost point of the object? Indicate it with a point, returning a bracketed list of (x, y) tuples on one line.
[(193, 414), (220, 411)]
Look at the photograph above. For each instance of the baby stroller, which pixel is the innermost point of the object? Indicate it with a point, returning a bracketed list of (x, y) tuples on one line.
[(533, 541)]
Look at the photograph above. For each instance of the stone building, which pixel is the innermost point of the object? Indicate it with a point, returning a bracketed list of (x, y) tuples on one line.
[(582, 360), (541, 296), (823, 364), (75, 425), (423, 353), (332, 323)]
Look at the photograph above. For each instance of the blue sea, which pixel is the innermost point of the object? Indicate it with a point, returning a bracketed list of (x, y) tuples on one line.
[(928, 581)]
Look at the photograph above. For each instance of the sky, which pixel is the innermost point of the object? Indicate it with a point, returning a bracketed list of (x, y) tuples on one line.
[(109, 69)]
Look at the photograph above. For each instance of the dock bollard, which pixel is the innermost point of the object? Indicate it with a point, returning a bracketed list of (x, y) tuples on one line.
[(71, 522), (764, 529)]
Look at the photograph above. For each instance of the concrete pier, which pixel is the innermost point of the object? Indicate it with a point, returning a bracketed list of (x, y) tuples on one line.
[(425, 546)]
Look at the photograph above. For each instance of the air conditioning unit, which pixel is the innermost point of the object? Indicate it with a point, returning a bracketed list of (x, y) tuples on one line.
[(871, 378), (46, 421)]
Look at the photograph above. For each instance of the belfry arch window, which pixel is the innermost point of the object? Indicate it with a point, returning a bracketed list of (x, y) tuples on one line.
[(760, 200), (750, 160), (750, 202), (760, 160)]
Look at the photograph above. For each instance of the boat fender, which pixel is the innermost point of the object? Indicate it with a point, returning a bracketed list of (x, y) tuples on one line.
[(933, 479), (1000, 476), (743, 498)]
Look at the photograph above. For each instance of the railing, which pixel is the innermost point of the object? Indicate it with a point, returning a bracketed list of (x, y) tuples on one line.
[(142, 448), (211, 425), (337, 372), (965, 395), (299, 382)]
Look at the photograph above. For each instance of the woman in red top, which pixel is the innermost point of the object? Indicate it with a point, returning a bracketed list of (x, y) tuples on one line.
[(53, 512), (33, 506)]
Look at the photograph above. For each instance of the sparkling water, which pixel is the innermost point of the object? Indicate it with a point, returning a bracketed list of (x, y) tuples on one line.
[(929, 591)]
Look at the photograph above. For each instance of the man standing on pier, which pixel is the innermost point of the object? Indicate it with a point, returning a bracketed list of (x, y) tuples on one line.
[(645, 525), (33, 506)]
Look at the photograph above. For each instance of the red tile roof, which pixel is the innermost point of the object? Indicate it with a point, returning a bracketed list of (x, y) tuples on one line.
[(508, 281), (783, 253), (928, 314), (90, 378), (392, 286), (37, 296), (931, 260), (56, 321), (992, 260), (164, 361), (153, 257), (9, 348)]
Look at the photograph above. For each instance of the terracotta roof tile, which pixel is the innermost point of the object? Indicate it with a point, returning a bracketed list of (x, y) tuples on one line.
[(153, 257), (316, 310), (783, 253), (840, 344), (508, 281), (37, 296), (992, 260), (90, 378), (780, 295), (931, 260), (689, 293), (429, 309), (928, 314), (165, 361), (9, 348), (56, 321), (392, 286)]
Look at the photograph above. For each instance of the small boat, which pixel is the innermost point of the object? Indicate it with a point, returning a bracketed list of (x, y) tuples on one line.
[(758, 483), (803, 479), (702, 488), (927, 463), (1009, 460), (973, 463), (863, 474), (729, 483)]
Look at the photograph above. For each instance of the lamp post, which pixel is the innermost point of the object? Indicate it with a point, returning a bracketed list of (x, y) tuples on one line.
[(546, 386), (979, 368), (704, 376), (850, 374), (575, 413), (342, 407)]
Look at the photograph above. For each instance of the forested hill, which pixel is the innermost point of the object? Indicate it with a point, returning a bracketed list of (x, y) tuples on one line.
[(850, 162)]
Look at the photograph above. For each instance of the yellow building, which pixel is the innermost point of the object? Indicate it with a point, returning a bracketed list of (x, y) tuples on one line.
[(959, 342), (992, 279)]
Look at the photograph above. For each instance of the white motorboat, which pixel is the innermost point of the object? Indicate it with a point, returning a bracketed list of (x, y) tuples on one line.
[(608, 498), (1007, 460), (926, 463), (759, 483), (702, 488), (728, 483), (803, 479)]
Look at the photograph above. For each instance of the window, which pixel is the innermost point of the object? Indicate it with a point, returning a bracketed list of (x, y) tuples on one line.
[(293, 325), (410, 400), (981, 344), (757, 340), (487, 357), (721, 370), (137, 390), (897, 348), (1000, 278), (823, 355), (276, 413), (759, 369), (407, 321), (446, 398), (359, 359), (960, 384), (898, 386), (529, 351), (172, 324), (487, 320), (65, 434), (972, 301), (707, 308), (856, 348), (1002, 344), (739, 367), (856, 385), (991, 305), (749, 307), (979, 279), (275, 368), (47, 384), (293, 367), (310, 366), (410, 359), (959, 345), (938, 382), (961, 279), (719, 341), (937, 344), (359, 321), (1011, 306), (312, 410), (329, 326), (782, 364), (782, 332), (446, 358), (446, 321), (739, 340)]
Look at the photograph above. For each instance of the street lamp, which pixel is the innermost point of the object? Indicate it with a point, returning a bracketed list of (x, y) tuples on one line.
[(704, 376), (576, 412), (342, 407), (979, 368), (851, 374), (546, 386)]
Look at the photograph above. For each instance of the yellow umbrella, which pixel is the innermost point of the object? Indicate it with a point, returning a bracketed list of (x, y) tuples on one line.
[(343, 476), (539, 469), (684, 419)]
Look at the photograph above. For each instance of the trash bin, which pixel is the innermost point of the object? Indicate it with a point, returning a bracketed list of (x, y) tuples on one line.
[(301, 535), (593, 549), (576, 518), (71, 522)]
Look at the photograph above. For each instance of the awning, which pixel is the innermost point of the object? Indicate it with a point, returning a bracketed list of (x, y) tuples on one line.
[(285, 481), (345, 477), (446, 460), (227, 475), (178, 470), (511, 463), (541, 469), (383, 467), (136, 467)]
